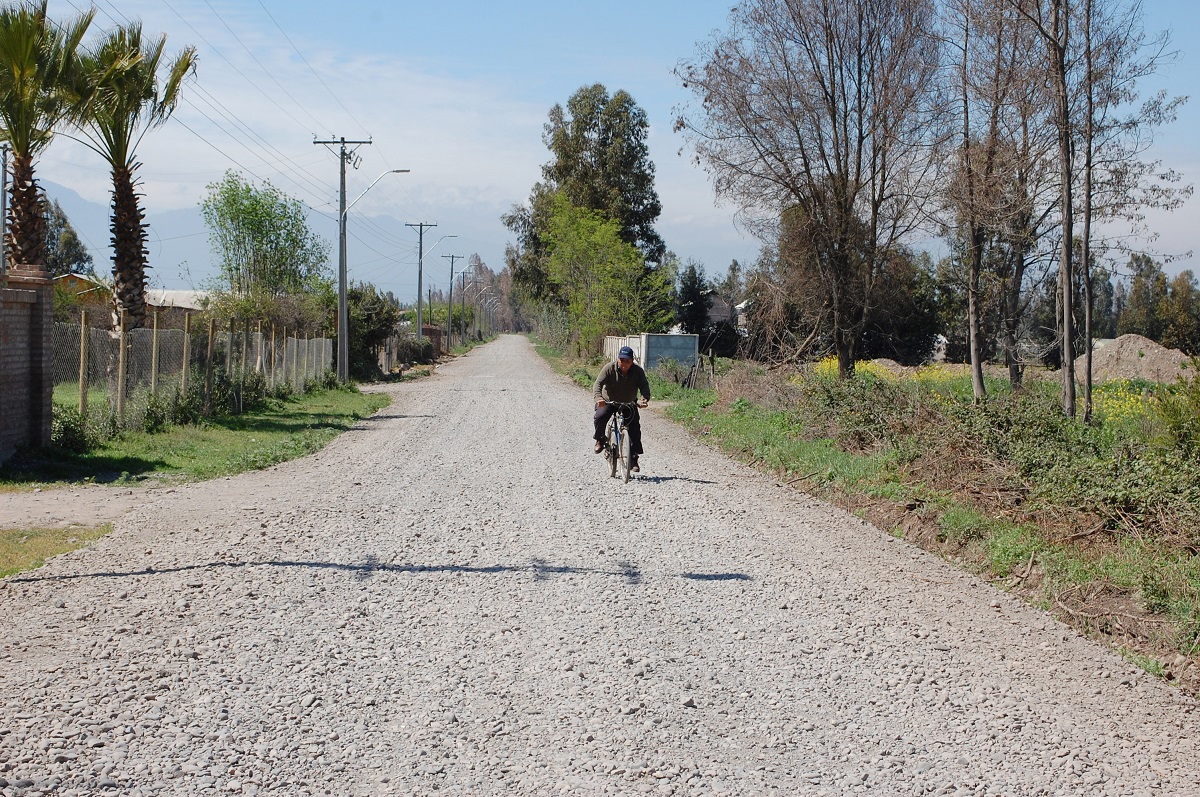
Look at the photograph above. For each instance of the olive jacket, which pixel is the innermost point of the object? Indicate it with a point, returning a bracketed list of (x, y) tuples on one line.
[(612, 385)]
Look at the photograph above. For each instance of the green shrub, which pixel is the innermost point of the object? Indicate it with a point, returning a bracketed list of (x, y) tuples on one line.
[(1178, 413), (69, 430)]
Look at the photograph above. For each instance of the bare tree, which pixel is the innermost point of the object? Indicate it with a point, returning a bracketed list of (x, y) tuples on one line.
[(828, 111), (988, 195), (1114, 181)]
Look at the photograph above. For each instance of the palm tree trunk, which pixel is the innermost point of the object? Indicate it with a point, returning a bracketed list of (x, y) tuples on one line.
[(129, 249), (26, 223)]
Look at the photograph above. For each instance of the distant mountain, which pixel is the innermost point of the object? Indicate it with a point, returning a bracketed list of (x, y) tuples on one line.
[(177, 241)]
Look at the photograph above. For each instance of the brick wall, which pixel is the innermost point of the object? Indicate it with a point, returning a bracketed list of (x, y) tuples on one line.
[(26, 386)]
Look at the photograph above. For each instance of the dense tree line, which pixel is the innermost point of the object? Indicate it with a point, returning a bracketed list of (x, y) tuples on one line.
[(846, 131)]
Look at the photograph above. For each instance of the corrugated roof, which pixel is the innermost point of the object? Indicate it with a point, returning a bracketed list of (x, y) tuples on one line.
[(186, 300)]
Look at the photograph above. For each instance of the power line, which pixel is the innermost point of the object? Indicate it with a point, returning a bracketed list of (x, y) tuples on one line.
[(249, 52), (238, 71), (310, 68)]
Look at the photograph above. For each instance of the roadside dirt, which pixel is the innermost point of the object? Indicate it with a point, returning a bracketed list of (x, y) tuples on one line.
[(62, 507)]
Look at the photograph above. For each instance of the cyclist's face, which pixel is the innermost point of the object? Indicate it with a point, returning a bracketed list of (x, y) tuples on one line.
[(624, 364)]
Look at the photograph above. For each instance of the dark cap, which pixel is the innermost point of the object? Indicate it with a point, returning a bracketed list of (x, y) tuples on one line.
[(625, 353)]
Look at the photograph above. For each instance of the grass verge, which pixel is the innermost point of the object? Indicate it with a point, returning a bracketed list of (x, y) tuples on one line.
[(27, 549), (284, 430)]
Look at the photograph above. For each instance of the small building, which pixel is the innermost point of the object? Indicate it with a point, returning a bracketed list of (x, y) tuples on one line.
[(174, 305), (651, 348)]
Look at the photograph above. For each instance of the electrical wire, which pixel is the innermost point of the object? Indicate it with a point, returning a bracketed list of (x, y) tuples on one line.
[(241, 73), (254, 57), (310, 69)]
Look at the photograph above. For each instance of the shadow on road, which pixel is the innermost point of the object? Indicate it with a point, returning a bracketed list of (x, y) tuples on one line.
[(657, 479), (538, 568)]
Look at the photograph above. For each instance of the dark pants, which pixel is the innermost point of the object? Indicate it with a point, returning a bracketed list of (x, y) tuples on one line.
[(633, 426)]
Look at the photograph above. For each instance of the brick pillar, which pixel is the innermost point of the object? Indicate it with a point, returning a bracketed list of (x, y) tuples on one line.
[(28, 383)]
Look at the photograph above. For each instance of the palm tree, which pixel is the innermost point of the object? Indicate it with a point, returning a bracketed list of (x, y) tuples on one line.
[(125, 99), (37, 63)]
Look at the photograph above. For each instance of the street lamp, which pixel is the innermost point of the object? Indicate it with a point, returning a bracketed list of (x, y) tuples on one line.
[(420, 270), (343, 325)]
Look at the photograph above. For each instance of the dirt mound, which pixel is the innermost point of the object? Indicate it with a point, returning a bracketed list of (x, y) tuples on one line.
[(891, 365), (1136, 357)]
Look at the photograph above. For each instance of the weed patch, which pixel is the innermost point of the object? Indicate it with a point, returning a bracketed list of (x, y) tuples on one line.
[(27, 549)]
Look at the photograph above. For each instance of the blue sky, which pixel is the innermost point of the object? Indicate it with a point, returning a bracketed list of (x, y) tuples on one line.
[(458, 93)]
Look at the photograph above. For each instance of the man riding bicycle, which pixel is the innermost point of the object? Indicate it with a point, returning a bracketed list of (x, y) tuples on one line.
[(621, 382)]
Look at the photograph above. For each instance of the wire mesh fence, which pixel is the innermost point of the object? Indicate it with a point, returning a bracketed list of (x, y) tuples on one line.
[(101, 367)]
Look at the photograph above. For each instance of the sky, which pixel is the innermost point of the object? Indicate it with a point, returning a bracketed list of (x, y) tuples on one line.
[(457, 92)]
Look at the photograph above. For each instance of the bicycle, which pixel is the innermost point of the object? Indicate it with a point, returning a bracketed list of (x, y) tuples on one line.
[(617, 448)]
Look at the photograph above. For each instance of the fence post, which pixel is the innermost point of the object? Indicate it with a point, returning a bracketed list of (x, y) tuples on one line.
[(208, 366), (154, 357), (304, 381), (84, 339), (229, 349), (187, 353), (272, 361), (122, 358), (245, 347), (260, 367)]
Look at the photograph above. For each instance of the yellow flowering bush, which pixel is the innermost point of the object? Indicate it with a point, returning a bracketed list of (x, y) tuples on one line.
[(1121, 401), (828, 369)]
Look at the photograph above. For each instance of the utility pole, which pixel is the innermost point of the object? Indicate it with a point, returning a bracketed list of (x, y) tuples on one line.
[(462, 314), (420, 228), (343, 322), (450, 302)]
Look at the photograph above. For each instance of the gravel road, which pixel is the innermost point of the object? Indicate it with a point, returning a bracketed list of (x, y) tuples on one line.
[(453, 598)]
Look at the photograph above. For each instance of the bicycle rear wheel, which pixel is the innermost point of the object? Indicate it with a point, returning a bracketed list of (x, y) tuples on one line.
[(626, 456)]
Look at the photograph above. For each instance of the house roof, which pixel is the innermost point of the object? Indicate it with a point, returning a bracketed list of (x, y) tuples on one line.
[(185, 300)]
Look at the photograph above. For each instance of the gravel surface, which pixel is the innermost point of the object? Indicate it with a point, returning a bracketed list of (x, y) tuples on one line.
[(455, 598)]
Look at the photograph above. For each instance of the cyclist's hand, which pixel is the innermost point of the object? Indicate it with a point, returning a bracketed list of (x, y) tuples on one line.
[(601, 404), (644, 403)]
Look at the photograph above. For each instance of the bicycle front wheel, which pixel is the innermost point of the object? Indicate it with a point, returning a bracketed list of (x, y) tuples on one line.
[(626, 456), (610, 450)]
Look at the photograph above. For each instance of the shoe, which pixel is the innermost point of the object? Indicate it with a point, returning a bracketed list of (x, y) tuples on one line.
[(596, 449), (634, 467)]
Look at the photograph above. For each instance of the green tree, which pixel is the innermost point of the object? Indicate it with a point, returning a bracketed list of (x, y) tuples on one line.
[(1181, 315), (132, 88), (262, 239), (38, 92), (1144, 300), (601, 277), (65, 253), (373, 317), (601, 162), (1104, 316), (694, 300)]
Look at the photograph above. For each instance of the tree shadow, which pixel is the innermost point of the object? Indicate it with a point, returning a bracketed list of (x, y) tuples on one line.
[(288, 426), (658, 479), (55, 464), (540, 569)]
